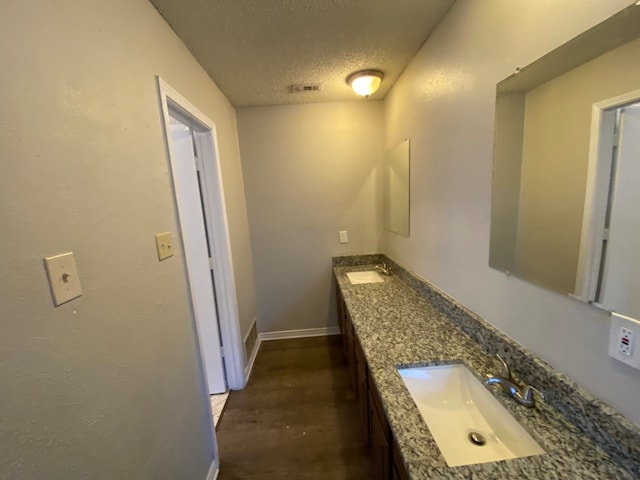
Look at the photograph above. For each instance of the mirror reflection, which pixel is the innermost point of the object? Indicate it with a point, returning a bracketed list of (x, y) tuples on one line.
[(396, 189), (615, 282), (560, 186)]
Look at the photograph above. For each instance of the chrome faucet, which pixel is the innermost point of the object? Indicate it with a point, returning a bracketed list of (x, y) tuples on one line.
[(383, 269), (521, 394)]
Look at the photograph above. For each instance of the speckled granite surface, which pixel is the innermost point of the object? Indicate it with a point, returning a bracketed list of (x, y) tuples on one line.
[(407, 321), (365, 259)]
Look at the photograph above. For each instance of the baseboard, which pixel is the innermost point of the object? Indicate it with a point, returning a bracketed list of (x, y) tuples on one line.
[(307, 332), (213, 470)]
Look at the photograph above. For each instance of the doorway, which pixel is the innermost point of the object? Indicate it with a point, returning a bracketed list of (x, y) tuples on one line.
[(609, 259), (187, 177), (619, 276), (197, 184)]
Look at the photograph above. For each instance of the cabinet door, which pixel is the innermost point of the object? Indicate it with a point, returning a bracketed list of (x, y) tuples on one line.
[(395, 475), (362, 389), (341, 309), (399, 470), (342, 313), (346, 329), (379, 445), (350, 354)]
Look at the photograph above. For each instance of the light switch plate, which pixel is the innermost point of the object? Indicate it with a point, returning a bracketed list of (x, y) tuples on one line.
[(624, 331), (63, 278), (164, 245)]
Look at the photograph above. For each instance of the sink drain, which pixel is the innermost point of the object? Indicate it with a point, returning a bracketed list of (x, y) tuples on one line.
[(477, 439)]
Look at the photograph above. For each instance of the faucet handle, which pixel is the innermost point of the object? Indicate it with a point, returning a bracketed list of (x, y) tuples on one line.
[(506, 371), (383, 269), (527, 393)]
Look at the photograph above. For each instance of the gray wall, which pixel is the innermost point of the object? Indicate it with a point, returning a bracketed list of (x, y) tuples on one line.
[(107, 386), (310, 171), (444, 102)]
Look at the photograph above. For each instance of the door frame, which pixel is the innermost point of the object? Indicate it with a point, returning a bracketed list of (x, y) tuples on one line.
[(597, 193), (187, 178), (216, 213)]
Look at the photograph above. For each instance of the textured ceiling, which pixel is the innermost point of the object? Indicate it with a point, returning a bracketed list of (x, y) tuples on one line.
[(256, 49)]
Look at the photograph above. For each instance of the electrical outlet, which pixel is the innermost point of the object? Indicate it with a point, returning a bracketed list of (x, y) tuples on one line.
[(622, 338), (625, 347), (344, 238)]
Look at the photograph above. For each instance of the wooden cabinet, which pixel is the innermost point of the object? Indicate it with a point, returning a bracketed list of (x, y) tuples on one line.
[(362, 389), (380, 436), (399, 470), (385, 455), (395, 475), (342, 320), (350, 353), (346, 329)]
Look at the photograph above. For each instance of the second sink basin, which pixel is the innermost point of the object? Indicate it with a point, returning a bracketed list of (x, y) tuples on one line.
[(467, 422), (369, 276)]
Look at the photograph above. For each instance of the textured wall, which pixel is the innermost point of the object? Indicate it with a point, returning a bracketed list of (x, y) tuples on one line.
[(107, 386), (444, 102), (310, 171)]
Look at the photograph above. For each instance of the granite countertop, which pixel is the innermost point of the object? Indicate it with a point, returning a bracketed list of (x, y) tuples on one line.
[(398, 326)]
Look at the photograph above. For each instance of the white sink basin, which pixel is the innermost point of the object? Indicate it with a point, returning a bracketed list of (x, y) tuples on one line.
[(455, 404), (370, 276)]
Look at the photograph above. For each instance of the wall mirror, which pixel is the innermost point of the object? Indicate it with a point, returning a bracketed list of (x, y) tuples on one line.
[(567, 134), (396, 189)]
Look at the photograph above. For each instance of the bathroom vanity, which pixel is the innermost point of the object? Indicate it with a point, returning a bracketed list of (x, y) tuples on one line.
[(387, 461), (404, 321)]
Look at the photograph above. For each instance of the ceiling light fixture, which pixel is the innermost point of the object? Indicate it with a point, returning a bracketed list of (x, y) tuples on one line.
[(365, 82)]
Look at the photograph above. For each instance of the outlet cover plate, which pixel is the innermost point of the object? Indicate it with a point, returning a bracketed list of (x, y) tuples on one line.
[(63, 277), (620, 324)]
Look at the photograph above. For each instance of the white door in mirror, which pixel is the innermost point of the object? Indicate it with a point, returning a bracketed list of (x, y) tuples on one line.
[(63, 278), (622, 336), (621, 270)]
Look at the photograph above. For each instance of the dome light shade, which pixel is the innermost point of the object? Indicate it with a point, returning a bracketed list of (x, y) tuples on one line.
[(365, 82)]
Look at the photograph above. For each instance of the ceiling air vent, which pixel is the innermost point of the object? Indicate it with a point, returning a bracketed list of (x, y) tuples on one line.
[(303, 88)]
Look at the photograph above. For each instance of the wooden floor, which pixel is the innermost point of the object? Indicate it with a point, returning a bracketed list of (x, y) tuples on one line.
[(296, 419)]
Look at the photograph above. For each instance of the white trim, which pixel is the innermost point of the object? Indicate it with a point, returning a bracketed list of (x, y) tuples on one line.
[(223, 275), (307, 332), (595, 204), (213, 470), (596, 194), (188, 197)]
